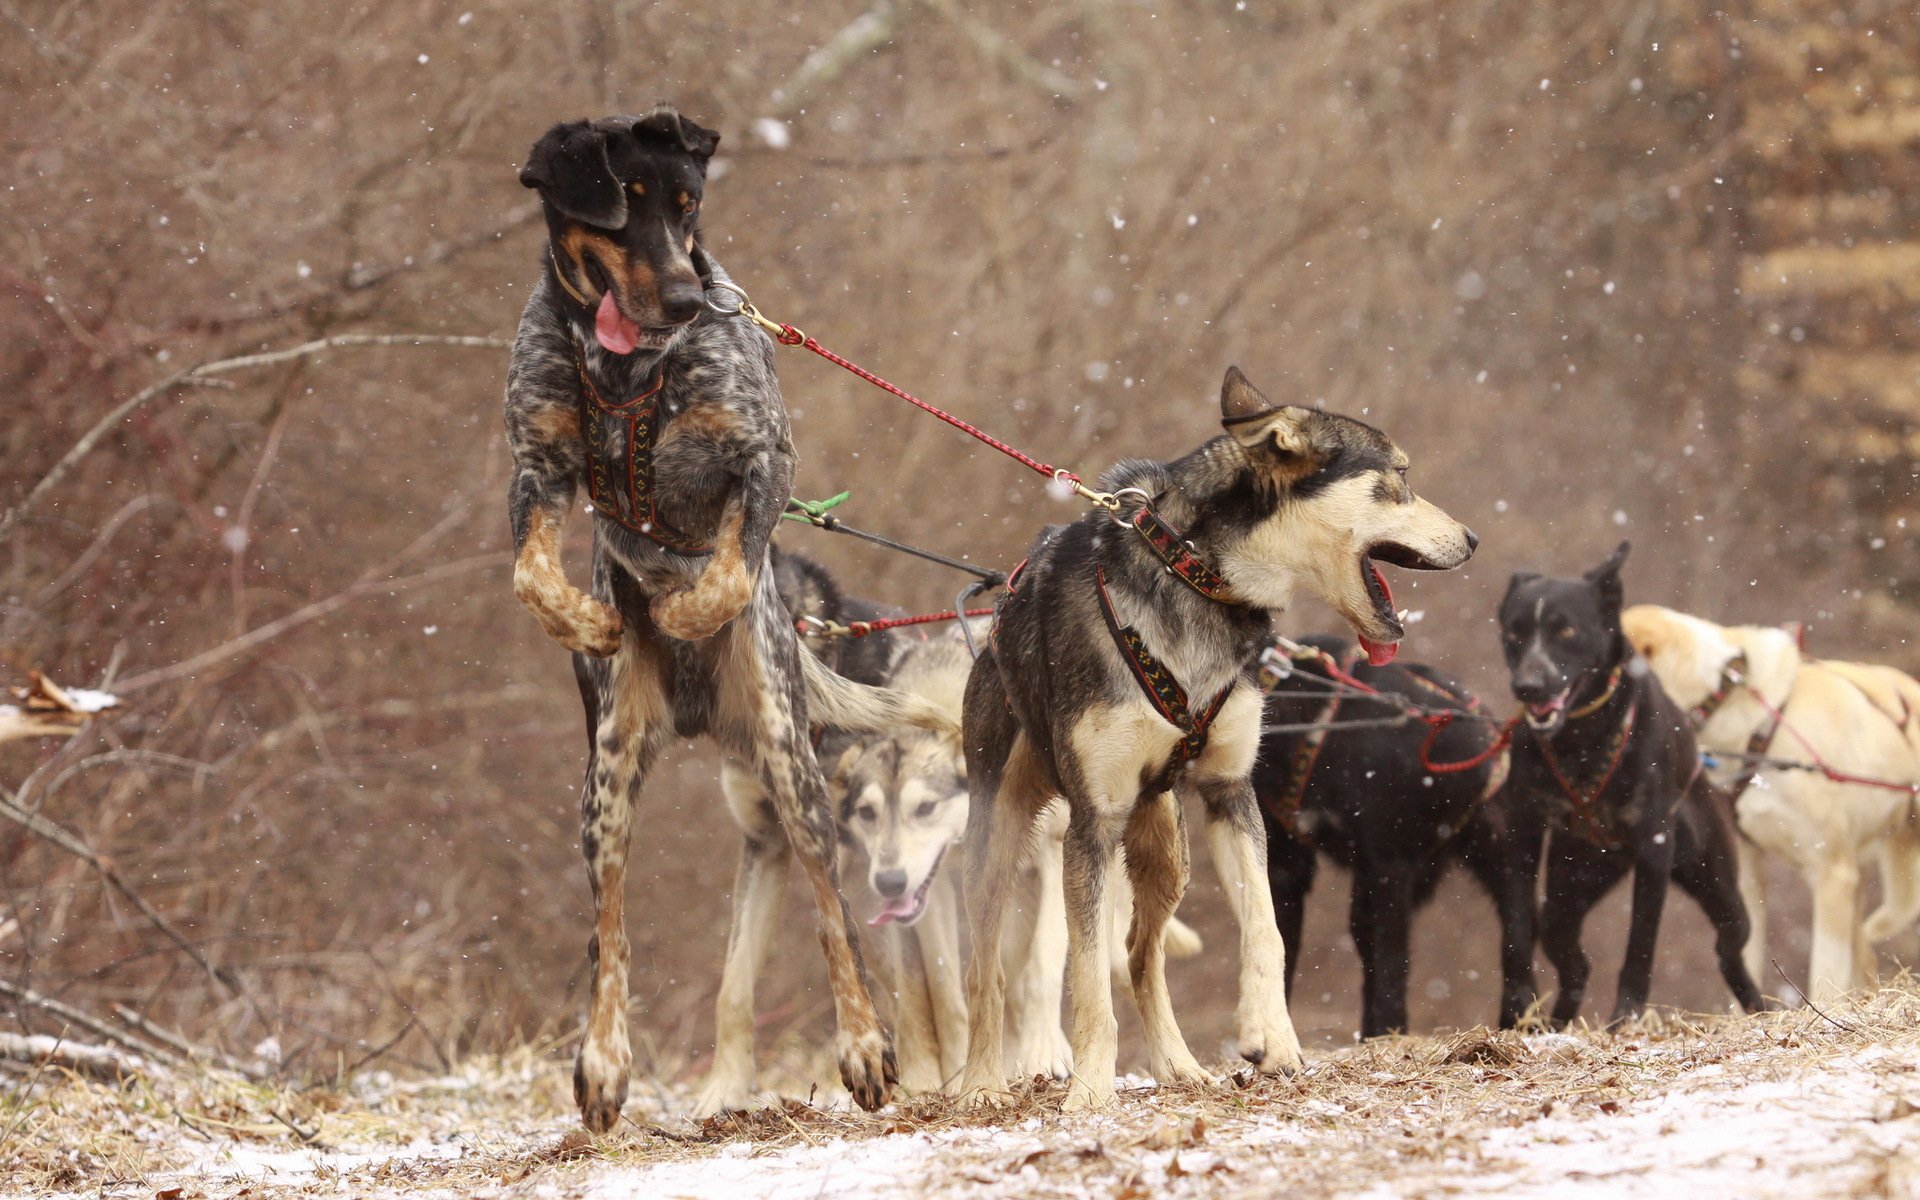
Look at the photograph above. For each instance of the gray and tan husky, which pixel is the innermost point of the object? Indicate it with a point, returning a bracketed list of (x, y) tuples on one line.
[(1119, 674)]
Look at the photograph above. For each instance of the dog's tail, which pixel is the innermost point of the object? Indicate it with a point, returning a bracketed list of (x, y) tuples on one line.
[(1181, 939), (840, 703)]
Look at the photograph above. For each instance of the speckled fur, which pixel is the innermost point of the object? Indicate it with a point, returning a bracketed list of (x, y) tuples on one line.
[(692, 644)]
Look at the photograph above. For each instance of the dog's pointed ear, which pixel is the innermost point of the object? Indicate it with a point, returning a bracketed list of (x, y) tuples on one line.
[(1257, 424), (689, 135), (570, 167), (1606, 577)]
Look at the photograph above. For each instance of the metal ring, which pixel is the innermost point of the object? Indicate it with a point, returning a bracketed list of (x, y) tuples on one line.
[(1113, 507), (721, 285)]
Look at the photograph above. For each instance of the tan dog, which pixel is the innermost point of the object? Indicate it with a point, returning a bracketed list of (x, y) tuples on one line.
[(1859, 719)]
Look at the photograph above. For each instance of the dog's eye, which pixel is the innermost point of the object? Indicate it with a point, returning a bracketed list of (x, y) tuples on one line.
[(688, 204), (867, 812), (1566, 633), (927, 809)]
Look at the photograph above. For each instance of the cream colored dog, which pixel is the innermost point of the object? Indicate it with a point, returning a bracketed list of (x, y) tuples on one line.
[(1752, 692)]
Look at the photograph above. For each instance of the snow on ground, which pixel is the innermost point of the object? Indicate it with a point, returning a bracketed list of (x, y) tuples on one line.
[(1795, 1104)]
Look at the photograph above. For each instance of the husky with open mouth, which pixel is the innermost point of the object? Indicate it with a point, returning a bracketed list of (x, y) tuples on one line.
[(1120, 672)]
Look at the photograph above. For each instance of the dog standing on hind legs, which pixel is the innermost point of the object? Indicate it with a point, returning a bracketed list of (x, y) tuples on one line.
[(1118, 674), (621, 378)]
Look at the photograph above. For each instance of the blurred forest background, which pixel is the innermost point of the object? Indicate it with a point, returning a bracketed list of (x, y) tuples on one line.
[(1626, 268)]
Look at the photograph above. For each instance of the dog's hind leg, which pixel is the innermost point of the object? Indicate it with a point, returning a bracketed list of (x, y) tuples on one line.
[(1708, 874), (631, 720), (1899, 858), (1291, 866), (1158, 869), (758, 888), (1009, 790), (1033, 951), (761, 715)]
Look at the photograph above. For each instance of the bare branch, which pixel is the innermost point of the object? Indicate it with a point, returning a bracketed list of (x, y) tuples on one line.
[(312, 612), (57, 834), (201, 376), (100, 1062), (92, 1024)]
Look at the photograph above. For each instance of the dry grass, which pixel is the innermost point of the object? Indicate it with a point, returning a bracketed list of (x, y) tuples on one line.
[(1372, 1114)]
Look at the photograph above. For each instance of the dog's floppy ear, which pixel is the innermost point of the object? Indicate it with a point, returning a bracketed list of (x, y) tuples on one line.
[(1606, 577), (570, 167), (1257, 424), (690, 136)]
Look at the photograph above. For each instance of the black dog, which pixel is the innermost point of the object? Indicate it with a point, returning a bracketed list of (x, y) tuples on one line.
[(1606, 766), (1365, 796)]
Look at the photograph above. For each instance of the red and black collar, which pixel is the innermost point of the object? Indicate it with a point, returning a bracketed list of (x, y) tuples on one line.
[(1732, 677), (1180, 556)]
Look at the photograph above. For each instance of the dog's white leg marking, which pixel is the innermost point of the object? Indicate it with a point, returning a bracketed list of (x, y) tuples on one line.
[(760, 715), (1238, 841), (1006, 817), (1096, 1035), (1157, 869), (758, 889), (940, 957), (1035, 957), (632, 722), (1753, 893)]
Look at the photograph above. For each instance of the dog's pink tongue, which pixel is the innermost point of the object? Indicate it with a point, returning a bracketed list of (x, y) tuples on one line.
[(899, 910), (611, 326), (1379, 653)]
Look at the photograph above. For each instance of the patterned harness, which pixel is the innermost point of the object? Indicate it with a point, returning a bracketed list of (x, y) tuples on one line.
[(624, 492), (1733, 676)]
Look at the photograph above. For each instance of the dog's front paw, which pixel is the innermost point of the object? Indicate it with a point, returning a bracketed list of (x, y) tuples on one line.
[(1267, 1040), (576, 620), (600, 1084), (700, 611), (1086, 1094), (868, 1068), (1048, 1053), (717, 1096)]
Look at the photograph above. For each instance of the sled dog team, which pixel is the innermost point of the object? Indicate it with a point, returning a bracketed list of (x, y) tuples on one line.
[(1128, 668)]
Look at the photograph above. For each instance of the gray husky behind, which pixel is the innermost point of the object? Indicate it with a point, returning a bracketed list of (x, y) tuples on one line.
[(1119, 674)]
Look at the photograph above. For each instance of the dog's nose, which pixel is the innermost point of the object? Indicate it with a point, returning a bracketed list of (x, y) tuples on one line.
[(1473, 540), (891, 884), (1531, 691), (680, 300)]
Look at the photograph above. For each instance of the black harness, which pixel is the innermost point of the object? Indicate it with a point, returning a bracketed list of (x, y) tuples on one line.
[(1163, 691)]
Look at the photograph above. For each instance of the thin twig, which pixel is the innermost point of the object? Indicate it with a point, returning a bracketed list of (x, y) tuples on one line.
[(201, 376), (1842, 1026), (51, 831), (91, 1024), (312, 612)]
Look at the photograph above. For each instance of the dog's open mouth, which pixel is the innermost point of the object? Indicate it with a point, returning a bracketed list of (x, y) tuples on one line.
[(1545, 716), (1380, 653), (620, 334), (911, 906)]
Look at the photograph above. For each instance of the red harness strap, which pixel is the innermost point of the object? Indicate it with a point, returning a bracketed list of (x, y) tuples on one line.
[(1182, 557), (1163, 691), (631, 501)]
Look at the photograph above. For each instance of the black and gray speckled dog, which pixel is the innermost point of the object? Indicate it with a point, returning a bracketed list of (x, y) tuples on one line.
[(623, 378), (1119, 674)]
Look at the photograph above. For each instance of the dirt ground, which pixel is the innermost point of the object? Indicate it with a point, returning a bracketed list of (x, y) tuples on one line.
[(1797, 1103)]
